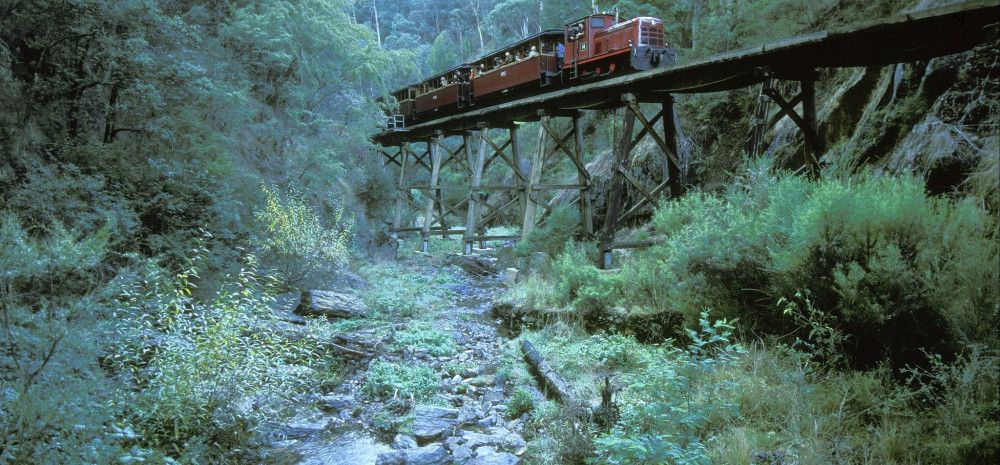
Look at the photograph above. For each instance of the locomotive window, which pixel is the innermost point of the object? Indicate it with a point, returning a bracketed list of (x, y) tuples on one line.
[(596, 22)]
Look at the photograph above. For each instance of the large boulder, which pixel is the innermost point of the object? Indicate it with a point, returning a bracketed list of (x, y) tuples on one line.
[(402, 441), (332, 304), (431, 423), (474, 264)]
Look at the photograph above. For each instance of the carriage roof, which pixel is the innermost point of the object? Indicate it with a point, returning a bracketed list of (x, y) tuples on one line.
[(527, 40)]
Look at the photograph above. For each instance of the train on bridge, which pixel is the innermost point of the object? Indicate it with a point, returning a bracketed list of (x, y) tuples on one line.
[(593, 47)]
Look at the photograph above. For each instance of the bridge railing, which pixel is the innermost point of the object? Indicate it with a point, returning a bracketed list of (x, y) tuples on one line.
[(395, 122)]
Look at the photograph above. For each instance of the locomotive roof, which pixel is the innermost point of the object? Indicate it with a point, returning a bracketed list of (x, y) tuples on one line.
[(622, 23), (595, 15)]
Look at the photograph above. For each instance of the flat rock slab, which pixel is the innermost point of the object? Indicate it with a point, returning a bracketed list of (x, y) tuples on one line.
[(476, 265), (496, 458), (335, 402), (303, 428), (498, 437), (331, 304), (431, 422), (433, 454)]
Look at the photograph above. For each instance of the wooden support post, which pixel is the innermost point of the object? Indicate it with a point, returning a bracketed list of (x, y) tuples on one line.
[(534, 178), (648, 128), (617, 190), (760, 120), (400, 192), (469, 152), (429, 211), (436, 188), (814, 147), (806, 122), (583, 178), (519, 177), (474, 183), (671, 171)]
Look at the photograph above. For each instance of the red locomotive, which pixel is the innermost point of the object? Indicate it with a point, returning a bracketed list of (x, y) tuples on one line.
[(590, 48)]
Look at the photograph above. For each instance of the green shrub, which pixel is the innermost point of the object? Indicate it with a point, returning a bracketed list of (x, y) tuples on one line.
[(567, 436), (576, 277), (54, 308), (617, 352), (295, 241), (404, 293), (520, 402), (941, 414), (896, 270), (387, 379), (560, 227), (422, 335), (532, 292), (204, 371), (667, 409)]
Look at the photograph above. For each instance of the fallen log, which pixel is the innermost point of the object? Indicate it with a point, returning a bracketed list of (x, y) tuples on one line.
[(553, 385), (352, 346), (348, 352)]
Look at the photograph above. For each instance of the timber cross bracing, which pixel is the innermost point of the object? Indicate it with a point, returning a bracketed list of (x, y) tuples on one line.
[(491, 133)]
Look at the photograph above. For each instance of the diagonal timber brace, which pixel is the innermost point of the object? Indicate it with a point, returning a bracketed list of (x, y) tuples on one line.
[(490, 151), (547, 130), (805, 121), (623, 178)]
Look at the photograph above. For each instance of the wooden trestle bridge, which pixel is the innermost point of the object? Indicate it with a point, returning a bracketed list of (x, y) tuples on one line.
[(491, 133)]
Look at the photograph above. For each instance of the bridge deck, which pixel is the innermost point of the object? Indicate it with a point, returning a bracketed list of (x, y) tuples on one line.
[(906, 37)]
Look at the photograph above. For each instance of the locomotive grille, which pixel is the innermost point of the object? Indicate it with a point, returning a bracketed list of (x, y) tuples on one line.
[(650, 34)]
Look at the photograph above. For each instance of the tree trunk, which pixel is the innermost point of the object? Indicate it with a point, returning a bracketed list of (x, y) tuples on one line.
[(479, 27), (378, 30), (697, 6), (109, 119)]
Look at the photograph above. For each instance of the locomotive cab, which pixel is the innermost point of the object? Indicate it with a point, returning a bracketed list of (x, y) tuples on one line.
[(579, 37), (599, 45), (650, 51)]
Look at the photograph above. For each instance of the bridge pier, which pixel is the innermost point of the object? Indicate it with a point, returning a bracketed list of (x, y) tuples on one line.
[(622, 177), (478, 151), (574, 151), (489, 152), (403, 154), (806, 121)]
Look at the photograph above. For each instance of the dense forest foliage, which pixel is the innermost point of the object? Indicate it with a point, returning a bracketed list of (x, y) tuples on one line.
[(171, 169)]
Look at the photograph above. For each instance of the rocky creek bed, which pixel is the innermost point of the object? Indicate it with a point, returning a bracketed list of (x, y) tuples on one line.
[(464, 422)]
